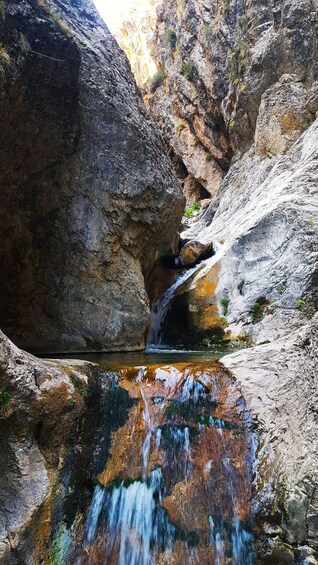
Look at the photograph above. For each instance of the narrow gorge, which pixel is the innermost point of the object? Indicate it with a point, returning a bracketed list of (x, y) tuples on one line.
[(159, 282)]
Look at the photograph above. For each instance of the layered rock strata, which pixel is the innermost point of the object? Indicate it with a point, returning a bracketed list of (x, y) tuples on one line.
[(89, 198)]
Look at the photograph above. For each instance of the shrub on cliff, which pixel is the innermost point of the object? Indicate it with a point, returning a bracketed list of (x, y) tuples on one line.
[(157, 80), (171, 37)]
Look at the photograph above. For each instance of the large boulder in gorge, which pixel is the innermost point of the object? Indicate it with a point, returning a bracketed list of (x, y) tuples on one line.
[(89, 197)]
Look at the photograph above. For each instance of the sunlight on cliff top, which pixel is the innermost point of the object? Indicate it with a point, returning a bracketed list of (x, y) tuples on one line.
[(132, 22)]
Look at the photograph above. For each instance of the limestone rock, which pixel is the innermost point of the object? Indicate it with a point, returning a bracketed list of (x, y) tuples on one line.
[(226, 56), (278, 381), (269, 235), (284, 113), (45, 409), (194, 251), (89, 197)]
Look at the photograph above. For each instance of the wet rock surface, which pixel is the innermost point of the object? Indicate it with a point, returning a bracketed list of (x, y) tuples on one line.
[(179, 458), (89, 197), (193, 252), (279, 383), (41, 406)]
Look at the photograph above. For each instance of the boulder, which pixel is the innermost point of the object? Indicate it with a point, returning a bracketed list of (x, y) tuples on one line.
[(89, 197), (194, 251)]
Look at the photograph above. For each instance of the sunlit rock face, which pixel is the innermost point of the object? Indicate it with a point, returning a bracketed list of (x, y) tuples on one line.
[(134, 34), (89, 197), (279, 382)]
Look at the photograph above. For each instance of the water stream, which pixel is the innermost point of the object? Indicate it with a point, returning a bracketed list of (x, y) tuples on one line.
[(171, 464), (175, 488)]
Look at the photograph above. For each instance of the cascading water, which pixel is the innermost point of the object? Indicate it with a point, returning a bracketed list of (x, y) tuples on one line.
[(176, 487), (173, 486), (162, 305)]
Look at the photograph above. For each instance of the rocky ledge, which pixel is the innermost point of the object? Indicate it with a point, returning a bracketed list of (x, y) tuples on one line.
[(279, 383)]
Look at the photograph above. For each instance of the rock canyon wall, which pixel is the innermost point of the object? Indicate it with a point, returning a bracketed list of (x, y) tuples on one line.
[(89, 197)]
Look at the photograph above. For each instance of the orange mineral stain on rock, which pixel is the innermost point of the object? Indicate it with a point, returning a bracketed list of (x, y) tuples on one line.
[(176, 480)]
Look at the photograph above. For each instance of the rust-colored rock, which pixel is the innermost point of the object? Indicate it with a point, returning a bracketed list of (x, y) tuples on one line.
[(194, 251)]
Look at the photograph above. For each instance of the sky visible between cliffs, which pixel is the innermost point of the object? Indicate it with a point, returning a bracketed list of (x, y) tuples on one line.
[(113, 12), (133, 23)]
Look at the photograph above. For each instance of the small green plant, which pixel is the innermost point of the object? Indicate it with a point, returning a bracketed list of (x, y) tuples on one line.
[(179, 127), (208, 156), (300, 303), (195, 142), (225, 305), (232, 124), (237, 58), (5, 400), (157, 80), (78, 384), (171, 37), (189, 211), (257, 308), (240, 286), (187, 69)]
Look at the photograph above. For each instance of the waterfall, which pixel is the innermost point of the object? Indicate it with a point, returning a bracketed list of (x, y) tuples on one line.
[(178, 490), (162, 305)]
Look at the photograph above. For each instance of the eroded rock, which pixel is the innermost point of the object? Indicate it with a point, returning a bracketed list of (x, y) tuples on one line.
[(45, 409), (278, 381), (194, 251), (89, 197)]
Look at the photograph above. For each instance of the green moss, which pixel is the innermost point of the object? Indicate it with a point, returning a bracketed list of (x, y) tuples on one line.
[(79, 385), (179, 127), (208, 156), (156, 80), (191, 410), (300, 303), (225, 305), (257, 309), (189, 211), (171, 37), (5, 399), (187, 69), (237, 58), (61, 546)]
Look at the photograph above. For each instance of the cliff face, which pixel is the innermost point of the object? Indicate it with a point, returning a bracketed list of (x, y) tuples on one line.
[(89, 197), (218, 59), (134, 35), (240, 87), (247, 73)]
